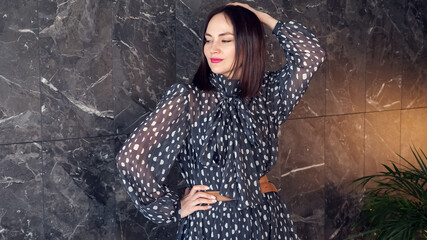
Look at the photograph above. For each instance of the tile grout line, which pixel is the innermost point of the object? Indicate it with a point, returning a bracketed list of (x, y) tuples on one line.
[(364, 107), (112, 64), (41, 122), (113, 84), (65, 139), (401, 105), (354, 113), (324, 147)]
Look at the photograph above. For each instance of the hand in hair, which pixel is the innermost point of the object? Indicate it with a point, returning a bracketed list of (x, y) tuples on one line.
[(266, 19)]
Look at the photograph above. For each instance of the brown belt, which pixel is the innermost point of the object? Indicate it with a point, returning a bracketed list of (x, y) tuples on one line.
[(265, 186)]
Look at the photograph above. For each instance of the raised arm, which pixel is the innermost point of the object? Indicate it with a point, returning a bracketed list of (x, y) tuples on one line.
[(303, 57), (148, 155)]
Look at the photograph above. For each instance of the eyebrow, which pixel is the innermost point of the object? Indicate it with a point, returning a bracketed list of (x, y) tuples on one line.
[(222, 34)]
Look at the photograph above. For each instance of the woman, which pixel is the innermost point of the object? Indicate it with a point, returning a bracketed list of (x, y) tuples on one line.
[(222, 129)]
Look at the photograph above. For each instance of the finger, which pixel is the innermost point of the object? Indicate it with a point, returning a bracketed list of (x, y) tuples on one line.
[(237, 4), (204, 195), (198, 208), (196, 188), (187, 191), (201, 195), (244, 6), (240, 4), (202, 201)]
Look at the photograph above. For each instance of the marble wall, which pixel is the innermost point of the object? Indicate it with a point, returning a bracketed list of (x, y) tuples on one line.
[(77, 76)]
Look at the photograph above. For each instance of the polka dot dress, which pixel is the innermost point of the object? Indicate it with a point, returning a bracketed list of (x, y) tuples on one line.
[(223, 142)]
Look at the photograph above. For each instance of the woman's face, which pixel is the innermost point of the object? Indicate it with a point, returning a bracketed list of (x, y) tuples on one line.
[(220, 48)]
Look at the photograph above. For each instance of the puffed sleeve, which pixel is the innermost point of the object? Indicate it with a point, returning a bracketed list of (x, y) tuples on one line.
[(303, 57), (149, 153)]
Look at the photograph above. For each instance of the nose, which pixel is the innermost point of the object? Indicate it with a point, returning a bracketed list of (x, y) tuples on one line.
[(214, 47)]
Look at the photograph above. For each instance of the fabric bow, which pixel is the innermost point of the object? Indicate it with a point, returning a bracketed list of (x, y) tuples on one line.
[(230, 142)]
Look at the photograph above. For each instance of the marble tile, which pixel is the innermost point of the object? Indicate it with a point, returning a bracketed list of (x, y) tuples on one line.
[(414, 82), (143, 58), (303, 193), (21, 202), (414, 85), (301, 154), (344, 162), (382, 140), (301, 147), (19, 85), (301, 144), (76, 69), (342, 210), (80, 178), (346, 48), (414, 129), (383, 63)]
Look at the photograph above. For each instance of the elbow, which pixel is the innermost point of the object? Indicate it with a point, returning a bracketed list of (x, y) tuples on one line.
[(120, 159), (321, 55)]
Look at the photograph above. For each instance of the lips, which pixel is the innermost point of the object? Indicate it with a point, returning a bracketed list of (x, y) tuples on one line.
[(216, 60)]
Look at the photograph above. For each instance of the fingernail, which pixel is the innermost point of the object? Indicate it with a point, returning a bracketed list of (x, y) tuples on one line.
[(206, 187), (213, 197), (213, 200)]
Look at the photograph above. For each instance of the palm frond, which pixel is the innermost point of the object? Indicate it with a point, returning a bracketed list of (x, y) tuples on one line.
[(396, 208)]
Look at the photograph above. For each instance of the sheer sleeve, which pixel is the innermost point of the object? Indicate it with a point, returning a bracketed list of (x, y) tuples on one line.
[(303, 57), (149, 153)]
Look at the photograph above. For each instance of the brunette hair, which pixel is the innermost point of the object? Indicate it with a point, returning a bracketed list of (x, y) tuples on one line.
[(250, 51)]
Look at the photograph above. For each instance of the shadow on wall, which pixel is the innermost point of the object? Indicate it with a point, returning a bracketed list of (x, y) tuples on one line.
[(343, 211)]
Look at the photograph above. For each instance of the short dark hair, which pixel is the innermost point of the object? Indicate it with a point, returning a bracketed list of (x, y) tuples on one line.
[(250, 51)]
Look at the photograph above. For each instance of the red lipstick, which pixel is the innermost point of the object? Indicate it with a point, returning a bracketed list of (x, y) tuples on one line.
[(216, 60)]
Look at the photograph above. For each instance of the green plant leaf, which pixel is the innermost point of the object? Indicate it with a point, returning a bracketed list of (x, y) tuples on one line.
[(396, 207)]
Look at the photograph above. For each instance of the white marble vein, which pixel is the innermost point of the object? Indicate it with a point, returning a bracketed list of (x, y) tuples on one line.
[(133, 50), (10, 118), (50, 85), (26, 31), (82, 106), (191, 30), (302, 169), (9, 181), (100, 80), (90, 109)]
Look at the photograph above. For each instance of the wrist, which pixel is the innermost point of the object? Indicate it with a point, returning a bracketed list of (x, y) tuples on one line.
[(267, 20)]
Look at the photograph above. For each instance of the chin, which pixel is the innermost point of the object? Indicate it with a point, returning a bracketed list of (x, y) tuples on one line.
[(219, 72)]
